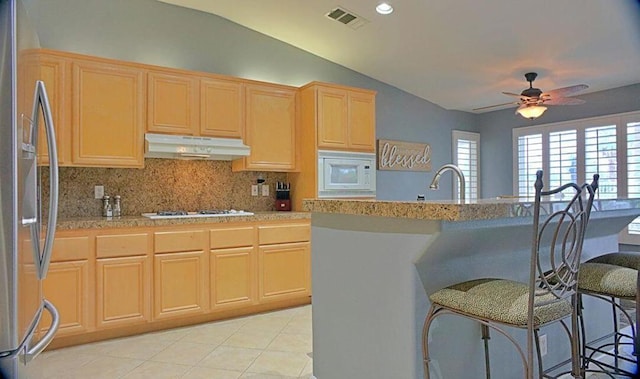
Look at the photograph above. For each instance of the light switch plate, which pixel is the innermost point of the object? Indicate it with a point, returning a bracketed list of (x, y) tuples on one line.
[(254, 190), (265, 190), (98, 192)]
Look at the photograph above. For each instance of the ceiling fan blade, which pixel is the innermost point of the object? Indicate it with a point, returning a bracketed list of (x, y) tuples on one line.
[(564, 101), (523, 97), (560, 92), (494, 106)]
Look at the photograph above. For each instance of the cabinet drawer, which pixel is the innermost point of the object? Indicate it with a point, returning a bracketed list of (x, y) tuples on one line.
[(231, 237), (64, 249), (284, 233), (189, 240), (121, 245)]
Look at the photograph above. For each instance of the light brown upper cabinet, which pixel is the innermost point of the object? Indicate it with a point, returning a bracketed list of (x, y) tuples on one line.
[(173, 103), (344, 116), (270, 128), (108, 105), (221, 108), (53, 71)]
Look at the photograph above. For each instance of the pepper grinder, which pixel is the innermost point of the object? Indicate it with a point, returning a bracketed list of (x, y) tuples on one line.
[(116, 206)]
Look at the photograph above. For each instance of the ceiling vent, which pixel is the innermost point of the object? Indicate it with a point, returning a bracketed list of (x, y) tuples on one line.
[(347, 17)]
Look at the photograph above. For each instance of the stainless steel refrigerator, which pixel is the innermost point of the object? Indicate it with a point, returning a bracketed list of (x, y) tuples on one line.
[(26, 239)]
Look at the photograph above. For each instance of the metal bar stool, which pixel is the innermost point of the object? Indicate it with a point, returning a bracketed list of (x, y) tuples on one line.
[(549, 296), (612, 277)]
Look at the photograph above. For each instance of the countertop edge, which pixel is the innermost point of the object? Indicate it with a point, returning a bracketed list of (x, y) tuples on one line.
[(140, 221), (451, 211)]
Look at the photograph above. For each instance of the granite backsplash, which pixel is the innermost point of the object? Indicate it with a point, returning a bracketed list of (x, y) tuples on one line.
[(163, 184)]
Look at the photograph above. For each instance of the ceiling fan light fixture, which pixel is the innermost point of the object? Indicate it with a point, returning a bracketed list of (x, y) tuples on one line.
[(531, 111), (384, 8)]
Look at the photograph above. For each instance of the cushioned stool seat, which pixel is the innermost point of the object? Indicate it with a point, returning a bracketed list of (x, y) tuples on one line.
[(608, 279), (621, 258), (500, 300), (611, 277)]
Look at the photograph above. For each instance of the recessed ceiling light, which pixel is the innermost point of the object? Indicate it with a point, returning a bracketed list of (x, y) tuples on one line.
[(384, 8)]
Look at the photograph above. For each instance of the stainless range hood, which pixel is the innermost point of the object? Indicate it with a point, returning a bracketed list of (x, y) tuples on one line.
[(189, 147)]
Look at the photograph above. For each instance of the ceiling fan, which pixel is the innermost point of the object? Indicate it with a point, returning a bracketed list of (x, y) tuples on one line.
[(532, 100)]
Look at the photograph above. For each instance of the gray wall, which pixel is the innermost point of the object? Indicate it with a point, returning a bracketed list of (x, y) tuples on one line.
[(496, 140), (152, 32)]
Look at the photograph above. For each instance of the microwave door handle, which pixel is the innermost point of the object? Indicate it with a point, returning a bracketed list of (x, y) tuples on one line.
[(42, 100)]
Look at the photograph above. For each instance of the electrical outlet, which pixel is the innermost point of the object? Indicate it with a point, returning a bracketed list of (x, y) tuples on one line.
[(543, 345), (254, 190), (265, 190), (98, 192)]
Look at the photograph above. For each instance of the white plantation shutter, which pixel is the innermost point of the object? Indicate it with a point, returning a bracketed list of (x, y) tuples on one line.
[(633, 168), (563, 150), (574, 151), (601, 158), (466, 155), (529, 162)]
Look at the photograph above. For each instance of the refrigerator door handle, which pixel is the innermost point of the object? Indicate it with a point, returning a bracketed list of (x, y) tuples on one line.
[(41, 99), (33, 352)]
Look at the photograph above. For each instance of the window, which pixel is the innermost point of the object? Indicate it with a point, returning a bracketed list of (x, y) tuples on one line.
[(563, 149), (601, 158), (466, 155), (576, 150), (633, 171), (529, 161)]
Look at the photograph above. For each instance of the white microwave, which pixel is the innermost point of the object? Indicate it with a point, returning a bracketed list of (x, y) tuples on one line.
[(346, 174)]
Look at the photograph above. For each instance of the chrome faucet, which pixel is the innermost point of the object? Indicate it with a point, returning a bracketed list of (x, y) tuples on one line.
[(459, 174)]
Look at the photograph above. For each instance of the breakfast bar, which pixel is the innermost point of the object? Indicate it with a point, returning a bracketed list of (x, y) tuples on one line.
[(374, 263)]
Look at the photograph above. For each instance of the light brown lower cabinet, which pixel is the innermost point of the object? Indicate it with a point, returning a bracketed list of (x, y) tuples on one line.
[(120, 280), (232, 277), (284, 271), (67, 286), (180, 284), (123, 291)]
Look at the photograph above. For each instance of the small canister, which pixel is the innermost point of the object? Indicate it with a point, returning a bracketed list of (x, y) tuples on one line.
[(107, 211), (117, 210)]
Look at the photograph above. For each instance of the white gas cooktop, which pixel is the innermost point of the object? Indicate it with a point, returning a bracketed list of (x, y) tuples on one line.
[(206, 213)]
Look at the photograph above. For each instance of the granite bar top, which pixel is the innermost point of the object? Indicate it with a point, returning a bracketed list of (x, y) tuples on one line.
[(448, 210), (134, 221)]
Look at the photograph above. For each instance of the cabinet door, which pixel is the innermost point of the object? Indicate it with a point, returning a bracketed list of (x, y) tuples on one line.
[(67, 287), (108, 116), (270, 129), (53, 72), (362, 121), (284, 271), (232, 277), (221, 108), (123, 291), (173, 104), (180, 284), (332, 118)]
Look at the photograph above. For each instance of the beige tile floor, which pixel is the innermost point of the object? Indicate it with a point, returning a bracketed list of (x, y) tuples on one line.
[(274, 345)]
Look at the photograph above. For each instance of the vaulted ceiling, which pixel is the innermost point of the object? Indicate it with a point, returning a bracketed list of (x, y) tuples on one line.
[(459, 54)]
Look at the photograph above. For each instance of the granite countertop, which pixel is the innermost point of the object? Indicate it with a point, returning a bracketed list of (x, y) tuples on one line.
[(133, 221), (448, 210)]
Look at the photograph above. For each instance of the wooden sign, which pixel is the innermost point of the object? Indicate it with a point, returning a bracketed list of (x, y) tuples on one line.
[(403, 156)]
